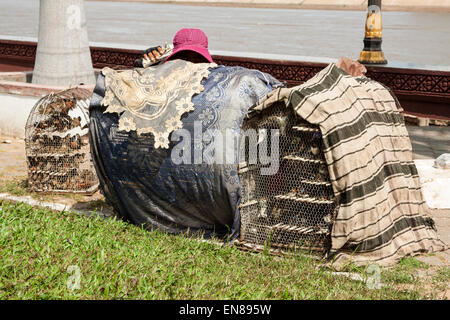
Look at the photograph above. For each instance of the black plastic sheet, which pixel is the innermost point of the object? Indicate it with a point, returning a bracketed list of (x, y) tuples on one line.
[(147, 188)]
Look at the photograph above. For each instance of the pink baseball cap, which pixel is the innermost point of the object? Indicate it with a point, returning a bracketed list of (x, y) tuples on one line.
[(193, 40)]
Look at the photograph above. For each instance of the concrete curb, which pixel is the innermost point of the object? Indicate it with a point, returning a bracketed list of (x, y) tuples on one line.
[(33, 90), (51, 205)]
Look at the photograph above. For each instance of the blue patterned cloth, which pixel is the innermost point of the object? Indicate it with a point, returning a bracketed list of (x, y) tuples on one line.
[(147, 188)]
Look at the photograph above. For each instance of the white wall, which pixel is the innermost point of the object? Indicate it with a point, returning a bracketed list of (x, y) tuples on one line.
[(14, 111)]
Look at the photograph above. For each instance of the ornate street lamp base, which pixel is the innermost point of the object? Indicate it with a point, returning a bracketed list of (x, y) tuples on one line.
[(372, 57), (372, 53)]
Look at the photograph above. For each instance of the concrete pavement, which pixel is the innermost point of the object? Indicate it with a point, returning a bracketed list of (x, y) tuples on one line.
[(388, 5), (429, 142)]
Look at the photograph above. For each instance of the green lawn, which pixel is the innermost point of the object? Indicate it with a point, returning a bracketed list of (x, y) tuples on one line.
[(117, 260)]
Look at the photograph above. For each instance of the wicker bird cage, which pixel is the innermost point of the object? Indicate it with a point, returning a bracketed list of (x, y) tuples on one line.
[(57, 144), (295, 207)]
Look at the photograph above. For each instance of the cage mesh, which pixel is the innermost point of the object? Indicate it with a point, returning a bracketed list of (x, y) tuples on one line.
[(57, 144), (295, 207)]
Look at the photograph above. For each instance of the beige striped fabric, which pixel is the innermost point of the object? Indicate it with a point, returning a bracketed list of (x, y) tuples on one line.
[(382, 215)]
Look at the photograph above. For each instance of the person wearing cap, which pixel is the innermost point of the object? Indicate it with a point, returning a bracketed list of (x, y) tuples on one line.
[(188, 44)]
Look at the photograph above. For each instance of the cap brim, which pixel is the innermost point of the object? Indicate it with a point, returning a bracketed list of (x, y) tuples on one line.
[(200, 50)]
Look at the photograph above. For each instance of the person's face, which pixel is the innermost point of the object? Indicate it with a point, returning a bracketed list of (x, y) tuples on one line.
[(191, 56)]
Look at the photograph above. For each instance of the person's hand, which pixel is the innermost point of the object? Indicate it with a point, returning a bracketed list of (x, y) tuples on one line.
[(351, 66), (153, 54)]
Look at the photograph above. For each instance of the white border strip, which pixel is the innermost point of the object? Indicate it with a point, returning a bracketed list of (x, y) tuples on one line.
[(51, 205)]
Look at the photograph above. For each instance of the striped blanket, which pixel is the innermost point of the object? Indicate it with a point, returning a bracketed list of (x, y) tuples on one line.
[(381, 215)]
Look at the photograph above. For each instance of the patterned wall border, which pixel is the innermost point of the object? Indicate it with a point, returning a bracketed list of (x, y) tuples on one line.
[(431, 87), (17, 50)]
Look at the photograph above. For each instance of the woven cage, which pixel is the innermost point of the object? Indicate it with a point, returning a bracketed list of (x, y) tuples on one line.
[(294, 208), (57, 144)]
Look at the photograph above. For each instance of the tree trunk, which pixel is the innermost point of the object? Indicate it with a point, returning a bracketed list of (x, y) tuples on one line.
[(63, 57)]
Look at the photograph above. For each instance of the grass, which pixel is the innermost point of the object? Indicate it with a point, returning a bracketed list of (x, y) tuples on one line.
[(404, 271), (117, 260), (19, 187)]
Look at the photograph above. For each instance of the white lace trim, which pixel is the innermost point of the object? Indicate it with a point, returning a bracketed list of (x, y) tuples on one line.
[(154, 99)]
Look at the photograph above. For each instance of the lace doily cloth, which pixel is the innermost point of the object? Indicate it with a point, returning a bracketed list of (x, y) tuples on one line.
[(152, 100)]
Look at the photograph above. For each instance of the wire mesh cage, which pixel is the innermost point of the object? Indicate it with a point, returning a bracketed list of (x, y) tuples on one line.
[(295, 207), (57, 144)]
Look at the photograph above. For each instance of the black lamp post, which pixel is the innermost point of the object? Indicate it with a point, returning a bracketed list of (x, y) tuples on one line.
[(372, 53)]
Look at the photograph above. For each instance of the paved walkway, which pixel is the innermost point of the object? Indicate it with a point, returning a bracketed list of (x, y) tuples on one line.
[(388, 5), (12, 158), (316, 33), (429, 142)]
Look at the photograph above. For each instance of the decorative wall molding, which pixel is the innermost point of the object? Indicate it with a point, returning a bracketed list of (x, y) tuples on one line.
[(412, 80), (291, 72), (113, 58), (17, 50), (421, 92)]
